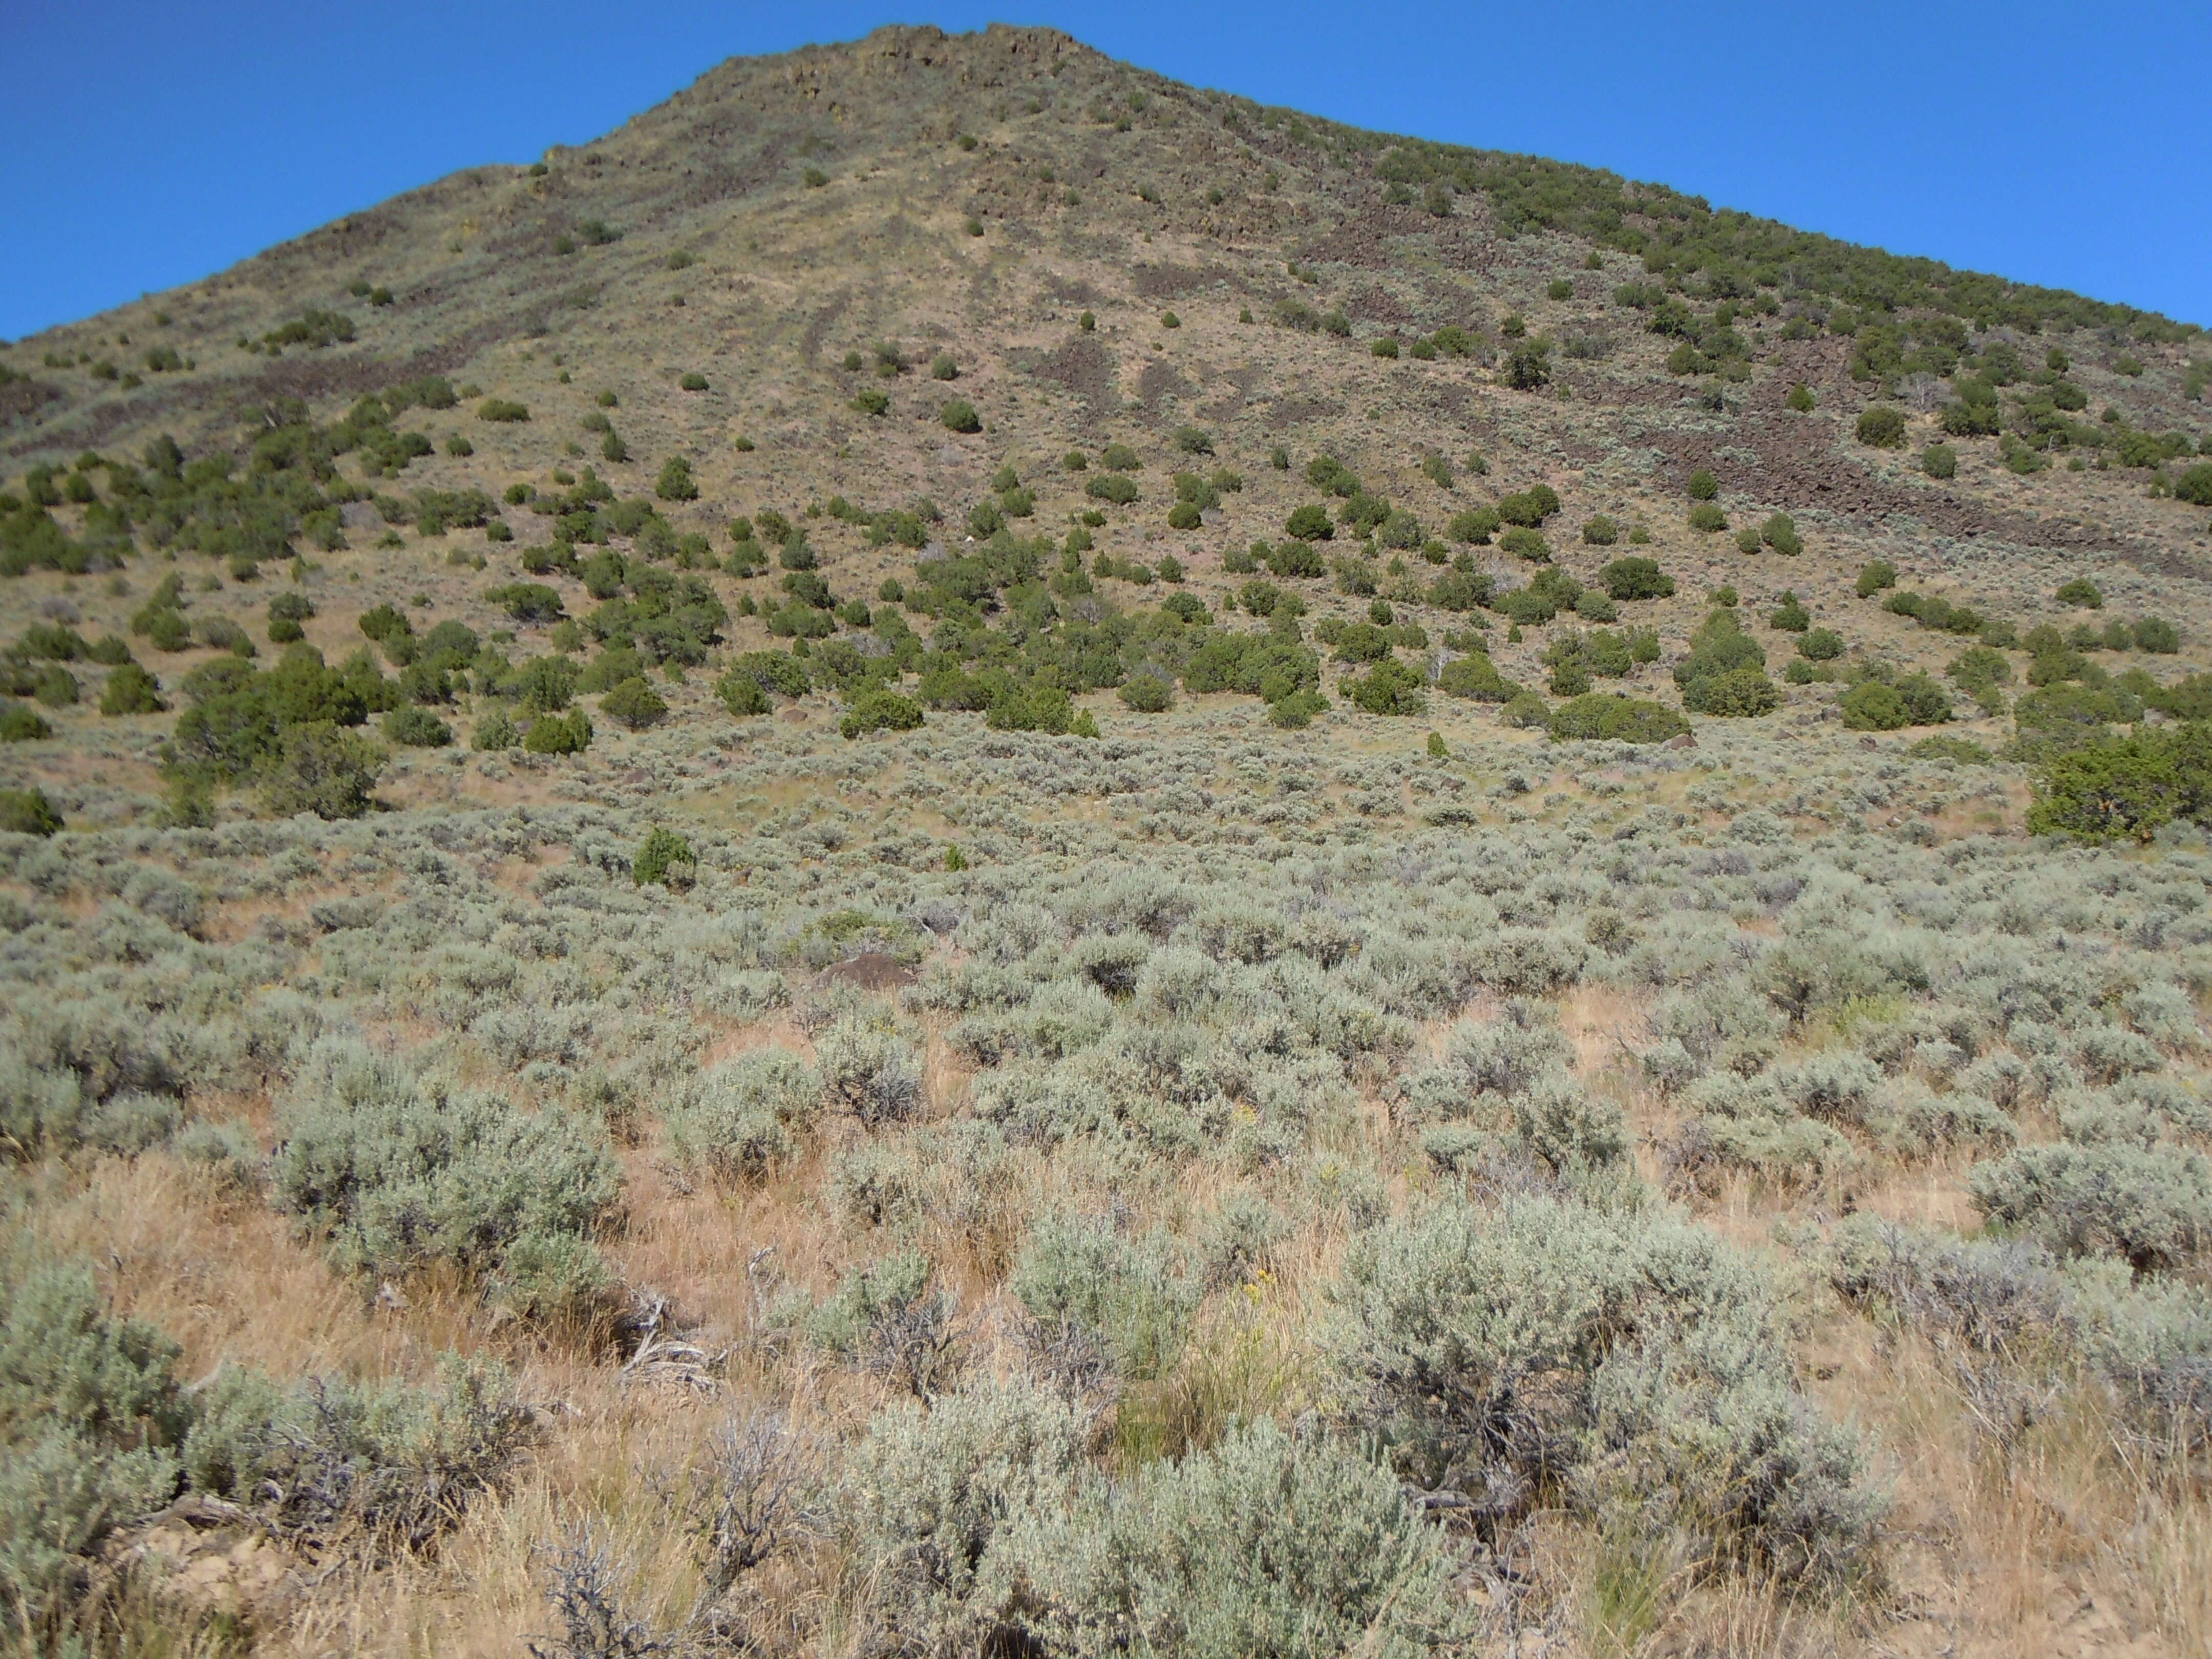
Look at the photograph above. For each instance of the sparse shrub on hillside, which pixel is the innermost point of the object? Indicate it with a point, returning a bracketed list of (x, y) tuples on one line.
[(959, 415), (880, 709), (674, 483), (1881, 427), (2082, 592), (1874, 576), (1875, 706), (1636, 578), (1613, 717)]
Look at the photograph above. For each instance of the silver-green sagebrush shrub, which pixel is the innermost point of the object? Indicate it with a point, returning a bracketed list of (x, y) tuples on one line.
[(2010, 1317), (868, 1070), (90, 1417), (394, 1171), (1625, 1363), (986, 1527), (1265, 1543), (329, 1462), (924, 1498), (2151, 1207), (746, 1117), (1134, 1299), (886, 1319)]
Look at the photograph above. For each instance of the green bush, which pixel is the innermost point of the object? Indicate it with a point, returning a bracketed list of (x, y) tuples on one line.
[(1820, 645), (1390, 687), (494, 731), (1876, 576), (880, 709), (414, 727), (1704, 486), (635, 704), (530, 603), (1707, 517), (27, 812), (1875, 706), (1636, 578), (1599, 532), (1477, 677), (130, 690), (2080, 591), (1940, 461), (2152, 633), (959, 415), (662, 850), (1791, 617), (1526, 711), (1475, 526), (676, 482), (559, 734), (501, 410), (322, 769), (2104, 789), (1526, 544), (1147, 694), (1529, 507), (1881, 427), (1780, 533), (1609, 716), (1529, 365), (2195, 484), (1734, 692), (1977, 668), (1111, 487)]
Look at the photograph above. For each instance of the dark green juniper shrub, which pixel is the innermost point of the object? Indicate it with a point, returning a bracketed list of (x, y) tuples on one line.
[(1636, 578)]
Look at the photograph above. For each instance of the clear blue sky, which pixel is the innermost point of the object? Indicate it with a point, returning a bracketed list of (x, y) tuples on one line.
[(142, 145)]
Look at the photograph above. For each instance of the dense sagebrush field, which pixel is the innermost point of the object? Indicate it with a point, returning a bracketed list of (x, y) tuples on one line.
[(963, 855)]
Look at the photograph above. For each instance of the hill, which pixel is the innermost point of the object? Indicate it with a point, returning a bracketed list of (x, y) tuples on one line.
[(963, 852)]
